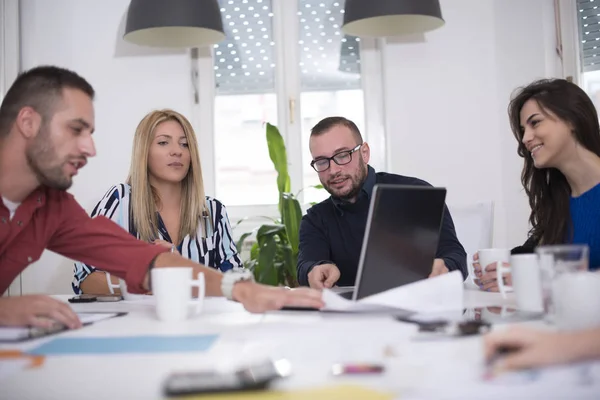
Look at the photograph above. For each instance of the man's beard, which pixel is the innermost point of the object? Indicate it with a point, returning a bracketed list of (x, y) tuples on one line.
[(357, 181), (42, 159)]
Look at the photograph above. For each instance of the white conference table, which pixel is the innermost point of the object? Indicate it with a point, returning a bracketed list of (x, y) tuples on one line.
[(311, 341)]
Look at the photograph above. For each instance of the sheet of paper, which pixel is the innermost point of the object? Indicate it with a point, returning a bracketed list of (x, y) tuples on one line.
[(125, 345), (337, 392), (14, 333), (439, 294)]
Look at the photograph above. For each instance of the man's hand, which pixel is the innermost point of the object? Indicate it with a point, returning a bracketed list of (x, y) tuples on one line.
[(259, 298), (36, 310), (439, 268), (323, 276), (164, 243)]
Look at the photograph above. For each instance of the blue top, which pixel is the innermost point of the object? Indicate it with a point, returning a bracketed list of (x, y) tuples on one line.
[(585, 215), (332, 231)]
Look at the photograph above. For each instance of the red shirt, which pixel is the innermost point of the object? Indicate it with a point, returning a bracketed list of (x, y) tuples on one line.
[(52, 219)]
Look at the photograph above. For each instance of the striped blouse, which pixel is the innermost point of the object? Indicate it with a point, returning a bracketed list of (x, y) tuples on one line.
[(216, 250)]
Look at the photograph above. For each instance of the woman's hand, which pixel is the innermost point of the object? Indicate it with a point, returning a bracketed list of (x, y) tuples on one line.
[(486, 278)]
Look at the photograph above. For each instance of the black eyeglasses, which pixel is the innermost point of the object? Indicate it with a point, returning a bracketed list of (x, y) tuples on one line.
[(341, 158)]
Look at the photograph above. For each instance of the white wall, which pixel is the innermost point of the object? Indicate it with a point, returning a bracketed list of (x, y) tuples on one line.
[(446, 101), (130, 81)]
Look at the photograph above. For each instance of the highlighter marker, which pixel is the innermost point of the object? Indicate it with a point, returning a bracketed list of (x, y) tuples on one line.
[(357, 369)]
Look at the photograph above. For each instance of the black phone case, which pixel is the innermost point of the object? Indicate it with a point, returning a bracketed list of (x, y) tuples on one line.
[(79, 299)]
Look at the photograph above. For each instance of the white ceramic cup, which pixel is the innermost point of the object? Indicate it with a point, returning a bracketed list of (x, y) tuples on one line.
[(576, 299), (122, 286), (172, 289), (491, 256), (526, 281)]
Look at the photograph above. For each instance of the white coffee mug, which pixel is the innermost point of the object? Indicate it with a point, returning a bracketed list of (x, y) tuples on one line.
[(172, 289), (122, 286), (491, 256), (526, 281)]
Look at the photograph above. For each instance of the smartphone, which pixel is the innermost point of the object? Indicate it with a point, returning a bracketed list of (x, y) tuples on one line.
[(83, 298), (256, 377)]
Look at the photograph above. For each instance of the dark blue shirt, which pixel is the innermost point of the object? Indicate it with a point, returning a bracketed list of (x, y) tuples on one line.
[(333, 230), (585, 216)]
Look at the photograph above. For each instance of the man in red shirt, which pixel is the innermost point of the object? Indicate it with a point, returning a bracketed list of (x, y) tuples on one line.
[(46, 126)]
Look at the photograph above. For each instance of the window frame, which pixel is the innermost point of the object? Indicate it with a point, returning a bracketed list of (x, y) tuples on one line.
[(567, 37), (10, 66), (288, 92)]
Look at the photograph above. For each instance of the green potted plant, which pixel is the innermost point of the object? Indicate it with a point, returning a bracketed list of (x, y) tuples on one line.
[(274, 255)]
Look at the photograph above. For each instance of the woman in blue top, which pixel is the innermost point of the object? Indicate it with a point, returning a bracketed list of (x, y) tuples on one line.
[(556, 126), (163, 201)]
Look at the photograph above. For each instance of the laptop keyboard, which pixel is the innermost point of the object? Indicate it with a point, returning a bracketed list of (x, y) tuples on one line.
[(346, 295)]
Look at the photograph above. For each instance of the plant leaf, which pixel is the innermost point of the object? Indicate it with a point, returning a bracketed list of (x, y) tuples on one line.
[(278, 155), (240, 242), (251, 218), (266, 261), (292, 215), (290, 266), (267, 230)]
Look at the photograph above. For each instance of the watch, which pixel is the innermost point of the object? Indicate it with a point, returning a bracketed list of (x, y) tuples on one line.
[(233, 276)]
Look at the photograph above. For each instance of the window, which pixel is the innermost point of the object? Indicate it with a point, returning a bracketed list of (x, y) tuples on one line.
[(330, 77), (286, 62), (588, 17)]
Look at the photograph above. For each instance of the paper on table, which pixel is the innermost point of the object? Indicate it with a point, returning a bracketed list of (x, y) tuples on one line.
[(442, 293), (15, 333), (126, 345)]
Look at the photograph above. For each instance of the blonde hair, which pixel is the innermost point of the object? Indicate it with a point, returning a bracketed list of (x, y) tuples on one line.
[(144, 198)]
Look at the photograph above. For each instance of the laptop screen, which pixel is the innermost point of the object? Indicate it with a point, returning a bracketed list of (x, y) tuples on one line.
[(401, 237)]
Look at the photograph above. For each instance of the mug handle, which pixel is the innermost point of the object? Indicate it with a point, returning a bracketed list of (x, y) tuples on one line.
[(199, 283), (501, 269), (111, 286)]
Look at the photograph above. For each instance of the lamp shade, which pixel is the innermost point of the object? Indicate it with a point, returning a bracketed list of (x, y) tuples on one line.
[(174, 23), (381, 18)]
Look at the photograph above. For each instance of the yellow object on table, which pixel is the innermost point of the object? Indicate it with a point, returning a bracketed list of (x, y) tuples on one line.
[(337, 392)]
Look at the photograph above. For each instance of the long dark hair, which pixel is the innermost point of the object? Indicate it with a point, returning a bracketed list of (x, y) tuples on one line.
[(547, 188)]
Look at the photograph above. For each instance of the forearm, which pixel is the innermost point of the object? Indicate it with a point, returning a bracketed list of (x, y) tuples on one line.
[(212, 277), (304, 267), (96, 283), (456, 261), (585, 345)]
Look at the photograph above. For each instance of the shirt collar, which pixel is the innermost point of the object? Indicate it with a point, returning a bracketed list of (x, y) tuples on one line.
[(37, 196), (366, 190)]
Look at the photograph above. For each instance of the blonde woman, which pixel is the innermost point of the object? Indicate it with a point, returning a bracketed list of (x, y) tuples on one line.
[(163, 201)]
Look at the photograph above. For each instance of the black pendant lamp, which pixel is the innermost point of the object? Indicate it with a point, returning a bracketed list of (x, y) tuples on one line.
[(174, 23), (382, 18)]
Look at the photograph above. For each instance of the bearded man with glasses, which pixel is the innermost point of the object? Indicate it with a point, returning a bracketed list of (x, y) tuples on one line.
[(331, 233)]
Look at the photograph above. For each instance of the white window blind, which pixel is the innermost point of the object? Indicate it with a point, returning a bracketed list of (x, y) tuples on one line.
[(589, 33)]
